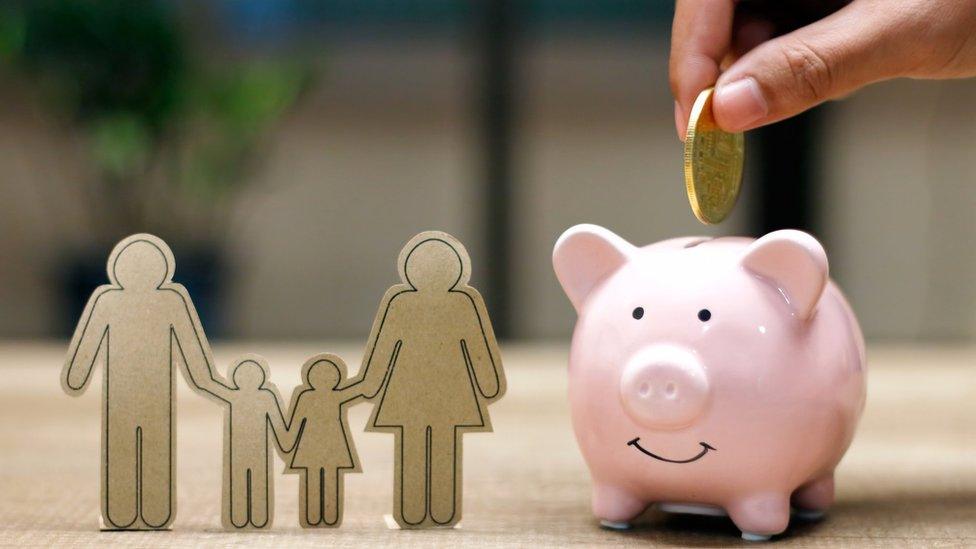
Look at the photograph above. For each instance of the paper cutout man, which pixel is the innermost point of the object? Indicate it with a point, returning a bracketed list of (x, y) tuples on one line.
[(324, 452), (142, 325), (433, 345), (252, 418)]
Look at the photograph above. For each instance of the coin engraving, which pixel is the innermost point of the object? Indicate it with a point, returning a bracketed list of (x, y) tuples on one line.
[(713, 164)]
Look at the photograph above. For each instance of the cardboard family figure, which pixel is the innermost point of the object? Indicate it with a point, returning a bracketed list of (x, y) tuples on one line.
[(141, 325), (433, 345), (253, 417), (324, 452)]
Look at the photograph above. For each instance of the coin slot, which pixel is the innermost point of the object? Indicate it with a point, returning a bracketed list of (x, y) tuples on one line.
[(697, 241)]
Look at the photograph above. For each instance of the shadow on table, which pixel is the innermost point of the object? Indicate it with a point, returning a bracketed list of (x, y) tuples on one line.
[(905, 516)]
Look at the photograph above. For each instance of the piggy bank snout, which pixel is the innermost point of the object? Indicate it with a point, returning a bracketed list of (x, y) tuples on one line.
[(664, 387)]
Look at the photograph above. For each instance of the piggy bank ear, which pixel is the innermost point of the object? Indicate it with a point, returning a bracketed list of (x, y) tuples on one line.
[(794, 263), (585, 255)]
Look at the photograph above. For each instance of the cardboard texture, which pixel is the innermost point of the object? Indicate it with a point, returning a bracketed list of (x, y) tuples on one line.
[(434, 359), (324, 451), (253, 416), (140, 326)]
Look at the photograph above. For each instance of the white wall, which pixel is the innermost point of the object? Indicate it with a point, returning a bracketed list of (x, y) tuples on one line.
[(901, 172), (387, 146)]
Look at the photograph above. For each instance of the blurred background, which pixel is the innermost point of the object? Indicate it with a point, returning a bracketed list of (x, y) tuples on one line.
[(287, 150)]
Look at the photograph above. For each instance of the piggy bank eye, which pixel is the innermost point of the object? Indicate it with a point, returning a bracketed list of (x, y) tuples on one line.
[(704, 315), (638, 313)]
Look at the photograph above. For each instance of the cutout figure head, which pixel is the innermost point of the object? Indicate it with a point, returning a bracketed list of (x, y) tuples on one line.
[(141, 261), (324, 371), (249, 375), (434, 262), (324, 375)]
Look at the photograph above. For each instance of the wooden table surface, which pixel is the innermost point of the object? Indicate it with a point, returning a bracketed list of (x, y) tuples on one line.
[(908, 480)]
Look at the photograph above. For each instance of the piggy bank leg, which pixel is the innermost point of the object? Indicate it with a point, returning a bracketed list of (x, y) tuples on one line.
[(813, 498), (761, 516), (615, 507)]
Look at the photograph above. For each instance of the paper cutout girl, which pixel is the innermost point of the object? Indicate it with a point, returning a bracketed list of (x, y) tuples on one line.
[(433, 346), (142, 325), (253, 417), (324, 452)]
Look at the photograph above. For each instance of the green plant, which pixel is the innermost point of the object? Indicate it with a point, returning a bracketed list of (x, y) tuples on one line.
[(172, 136)]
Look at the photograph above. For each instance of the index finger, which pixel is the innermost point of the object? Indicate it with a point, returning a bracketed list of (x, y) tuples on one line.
[(701, 35)]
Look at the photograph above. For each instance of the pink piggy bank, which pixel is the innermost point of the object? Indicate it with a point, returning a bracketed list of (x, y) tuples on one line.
[(711, 376)]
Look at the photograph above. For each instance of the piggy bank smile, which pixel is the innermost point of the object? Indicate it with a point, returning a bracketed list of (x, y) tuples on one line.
[(705, 447)]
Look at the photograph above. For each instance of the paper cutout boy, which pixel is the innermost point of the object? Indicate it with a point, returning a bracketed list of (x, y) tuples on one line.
[(434, 350), (142, 325), (324, 452), (252, 418)]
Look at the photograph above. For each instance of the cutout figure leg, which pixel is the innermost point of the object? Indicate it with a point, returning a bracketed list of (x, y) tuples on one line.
[(412, 475), (238, 495), (120, 493), (311, 510), (260, 498), (445, 473), (155, 481), (330, 497)]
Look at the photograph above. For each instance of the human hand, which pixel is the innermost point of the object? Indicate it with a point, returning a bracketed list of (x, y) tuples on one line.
[(772, 59)]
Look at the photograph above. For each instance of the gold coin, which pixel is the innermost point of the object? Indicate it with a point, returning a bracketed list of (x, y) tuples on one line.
[(713, 163)]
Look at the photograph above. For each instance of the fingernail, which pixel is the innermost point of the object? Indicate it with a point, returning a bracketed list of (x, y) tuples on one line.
[(680, 121), (738, 104)]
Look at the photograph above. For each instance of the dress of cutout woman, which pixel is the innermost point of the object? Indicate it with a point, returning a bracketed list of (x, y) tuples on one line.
[(252, 416), (324, 452), (433, 345)]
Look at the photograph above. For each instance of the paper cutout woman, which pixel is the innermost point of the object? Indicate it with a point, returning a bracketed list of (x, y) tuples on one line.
[(142, 325), (252, 417), (433, 345), (324, 452)]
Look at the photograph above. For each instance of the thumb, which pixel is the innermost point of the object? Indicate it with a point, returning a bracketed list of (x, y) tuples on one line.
[(834, 56)]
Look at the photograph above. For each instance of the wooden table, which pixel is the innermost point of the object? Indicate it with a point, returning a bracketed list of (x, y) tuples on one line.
[(908, 480)]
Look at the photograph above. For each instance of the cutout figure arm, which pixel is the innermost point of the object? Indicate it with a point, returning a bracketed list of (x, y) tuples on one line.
[(382, 348), (361, 388), (285, 434), (480, 349), (194, 348), (209, 385), (91, 332)]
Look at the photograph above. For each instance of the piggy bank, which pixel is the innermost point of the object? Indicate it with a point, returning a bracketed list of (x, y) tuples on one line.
[(710, 375)]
